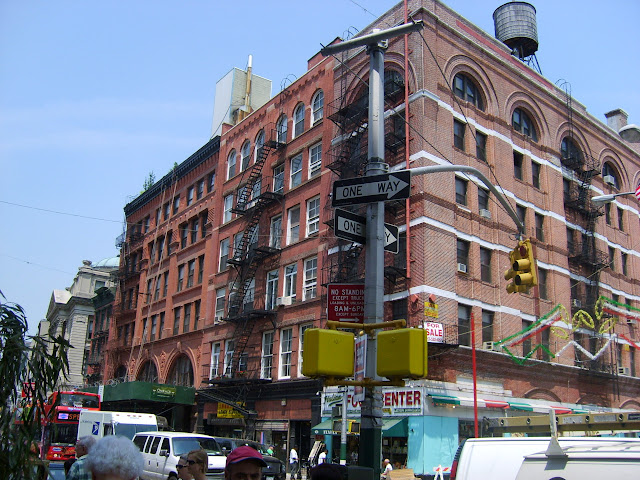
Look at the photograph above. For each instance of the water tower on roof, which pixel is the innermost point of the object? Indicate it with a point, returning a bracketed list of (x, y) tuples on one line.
[(516, 27)]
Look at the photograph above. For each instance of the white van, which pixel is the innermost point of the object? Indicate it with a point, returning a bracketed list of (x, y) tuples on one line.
[(101, 423), (619, 459), (161, 452), (501, 457)]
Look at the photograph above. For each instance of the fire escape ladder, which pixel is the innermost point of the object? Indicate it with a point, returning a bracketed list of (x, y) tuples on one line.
[(241, 335)]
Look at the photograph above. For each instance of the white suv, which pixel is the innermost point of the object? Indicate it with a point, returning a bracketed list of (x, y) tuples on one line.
[(161, 452)]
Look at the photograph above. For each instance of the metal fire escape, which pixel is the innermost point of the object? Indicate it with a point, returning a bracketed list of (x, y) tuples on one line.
[(253, 197)]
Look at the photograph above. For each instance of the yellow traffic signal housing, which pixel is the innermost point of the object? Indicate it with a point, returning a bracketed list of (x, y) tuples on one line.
[(328, 353), (523, 268), (402, 353)]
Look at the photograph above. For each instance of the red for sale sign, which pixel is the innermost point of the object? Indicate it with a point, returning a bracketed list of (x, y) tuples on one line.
[(345, 302)]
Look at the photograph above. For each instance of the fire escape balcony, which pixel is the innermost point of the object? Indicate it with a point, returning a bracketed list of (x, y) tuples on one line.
[(584, 253), (579, 198)]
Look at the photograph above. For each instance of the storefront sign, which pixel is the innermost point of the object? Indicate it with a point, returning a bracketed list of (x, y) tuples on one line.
[(431, 309), (345, 302), (399, 401), (163, 391), (227, 411), (435, 332)]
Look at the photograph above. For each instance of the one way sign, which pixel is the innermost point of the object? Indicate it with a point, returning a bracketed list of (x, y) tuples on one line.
[(375, 188), (353, 227)]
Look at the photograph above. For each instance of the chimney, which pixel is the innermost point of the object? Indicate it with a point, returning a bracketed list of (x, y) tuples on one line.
[(616, 119)]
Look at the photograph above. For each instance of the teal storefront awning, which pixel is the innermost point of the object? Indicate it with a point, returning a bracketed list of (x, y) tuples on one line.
[(391, 427)]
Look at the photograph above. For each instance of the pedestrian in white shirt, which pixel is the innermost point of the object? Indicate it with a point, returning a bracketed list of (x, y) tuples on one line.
[(294, 464)]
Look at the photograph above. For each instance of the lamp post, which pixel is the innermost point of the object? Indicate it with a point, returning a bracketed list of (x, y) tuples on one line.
[(600, 200)]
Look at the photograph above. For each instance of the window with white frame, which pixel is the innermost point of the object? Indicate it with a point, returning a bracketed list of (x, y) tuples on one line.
[(278, 178), (313, 215), (298, 120), (259, 144), (214, 367), (228, 205), (190, 193), (275, 231), (221, 295), (290, 280), (245, 153), (286, 345), (315, 159), (293, 224), (302, 330), (317, 107), (229, 347), (231, 164), (296, 171), (272, 289), (224, 255), (266, 361), (281, 129), (310, 278)]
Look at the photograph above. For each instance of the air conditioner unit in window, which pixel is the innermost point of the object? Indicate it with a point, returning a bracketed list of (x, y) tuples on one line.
[(485, 213), (576, 303), (217, 320), (488, 346), (609, 180), (281, 301), (631, 321), (462, 267), (623, 371)]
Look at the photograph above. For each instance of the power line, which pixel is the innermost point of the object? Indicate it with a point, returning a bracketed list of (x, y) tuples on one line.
[(59, 213), (36, 264)]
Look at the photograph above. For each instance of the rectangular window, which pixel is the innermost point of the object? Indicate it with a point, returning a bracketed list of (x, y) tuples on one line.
[(290, 280), (158, 216), (200, 268), (165, 284), (224, 255), (196, 314), (156, 291), (517, 165), (296, 171), (184, 234), (483, 199), (313, 215), (278, 178), (275, 231), (487, 326), (187, 318), (190, 193), (195, 226), (624, 263), (464, 325), (539, 226), (230, 346), (481, 146), (293, 229), (161, 327), (302, 330), (463, 255), (147, 222), (214, 368), (149, 289), (526, 344), (542, 284), (200, 189), (160, 250), (620, 219), (535, 174), (570, 239), (176, 320), (228, 205), (286, 345), (212, 181), (221, 294), (310, 278), (180, 277), (458, 134), (315, 160), (461, 191), (167, 210), (521, 213), (191, 271), (607, 213), (231, 165), (272, 289), (203, 220), (176, 204), (266, 361), (485, 264), (612, 258)]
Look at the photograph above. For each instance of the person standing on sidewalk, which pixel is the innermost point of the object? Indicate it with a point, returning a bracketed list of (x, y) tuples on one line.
[(294, 463)]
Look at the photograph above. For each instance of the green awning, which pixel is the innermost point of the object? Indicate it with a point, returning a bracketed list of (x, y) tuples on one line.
[(154, 392), (445, 400), (391, 427), (525, 407)]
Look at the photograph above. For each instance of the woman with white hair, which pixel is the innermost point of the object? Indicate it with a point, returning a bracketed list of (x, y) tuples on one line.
[(114, 458)]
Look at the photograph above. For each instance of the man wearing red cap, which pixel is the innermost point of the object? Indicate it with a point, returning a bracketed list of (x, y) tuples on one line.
[(244, 463)]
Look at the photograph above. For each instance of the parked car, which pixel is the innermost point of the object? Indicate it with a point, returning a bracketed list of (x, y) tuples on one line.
[(275, 469), (161, 452)]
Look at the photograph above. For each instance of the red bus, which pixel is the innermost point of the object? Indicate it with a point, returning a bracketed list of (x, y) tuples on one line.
[(60, 429)]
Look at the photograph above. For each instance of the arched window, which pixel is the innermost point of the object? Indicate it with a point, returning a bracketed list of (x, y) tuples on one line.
[(231, 164), (610, 176), (467, 90), (259, 144), (149, 373), (120, 373), (570, 150), (281, 129), (181, 372), (317, 107), (393, 83), (298, 120), (522, 123), (245, 153)]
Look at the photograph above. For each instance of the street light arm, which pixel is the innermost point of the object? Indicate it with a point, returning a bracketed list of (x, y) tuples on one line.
[(480, 175), (372, 38), (602, 199)]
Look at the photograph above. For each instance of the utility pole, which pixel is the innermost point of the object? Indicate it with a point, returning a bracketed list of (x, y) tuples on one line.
[(370, 454)]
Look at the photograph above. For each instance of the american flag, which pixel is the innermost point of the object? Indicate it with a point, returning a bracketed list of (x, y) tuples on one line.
[(638, 192)]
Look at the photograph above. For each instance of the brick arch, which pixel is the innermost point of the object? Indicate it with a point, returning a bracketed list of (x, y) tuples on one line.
[(171, 359), (463, 64), (609, 156), (631, 404), (578, 137), (142, 366), (520, 99), (189, 357), (542, 394), (396, 61), (592, 399)]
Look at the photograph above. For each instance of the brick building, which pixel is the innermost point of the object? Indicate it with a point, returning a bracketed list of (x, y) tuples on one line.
[(227, 258)]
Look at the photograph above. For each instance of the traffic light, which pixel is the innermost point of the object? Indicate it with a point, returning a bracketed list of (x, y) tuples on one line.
[(402, 353), (523, 268), (327, 353)]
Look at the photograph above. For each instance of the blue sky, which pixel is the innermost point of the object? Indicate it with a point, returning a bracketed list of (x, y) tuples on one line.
[(95, 95)]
